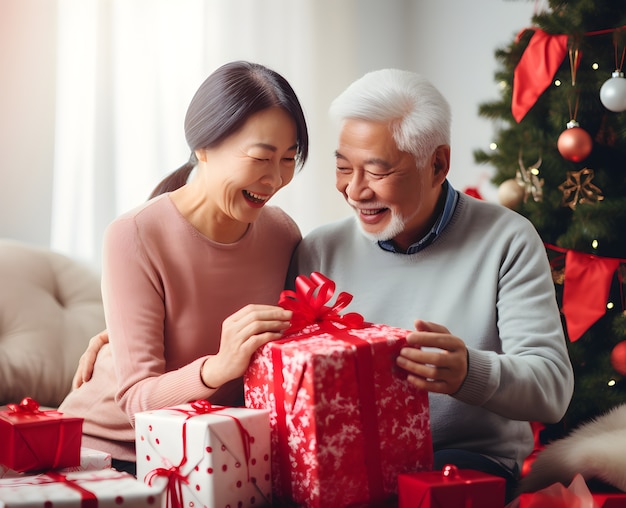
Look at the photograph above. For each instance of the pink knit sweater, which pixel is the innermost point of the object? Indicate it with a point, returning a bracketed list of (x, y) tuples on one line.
[(167, 290)]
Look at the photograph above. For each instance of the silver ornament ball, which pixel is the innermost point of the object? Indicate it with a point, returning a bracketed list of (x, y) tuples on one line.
[(613, 93)]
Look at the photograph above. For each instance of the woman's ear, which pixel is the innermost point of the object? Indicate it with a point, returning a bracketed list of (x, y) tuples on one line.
[(200, 154)]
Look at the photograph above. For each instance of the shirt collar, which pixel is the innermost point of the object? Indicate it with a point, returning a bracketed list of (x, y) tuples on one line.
[(439, 225)]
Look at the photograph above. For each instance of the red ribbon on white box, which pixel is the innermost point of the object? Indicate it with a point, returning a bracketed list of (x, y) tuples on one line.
[(176, 479), (88, 498)]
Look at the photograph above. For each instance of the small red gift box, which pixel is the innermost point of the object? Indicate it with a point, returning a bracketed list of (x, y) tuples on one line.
[(344, 420), (610, 500), (450, 488), (34, 440)]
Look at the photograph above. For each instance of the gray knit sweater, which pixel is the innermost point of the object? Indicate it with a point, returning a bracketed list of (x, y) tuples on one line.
[(487, 279)]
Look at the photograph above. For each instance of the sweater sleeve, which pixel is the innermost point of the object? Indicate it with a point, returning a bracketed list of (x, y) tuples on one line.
[(135, 311), (531, 378)]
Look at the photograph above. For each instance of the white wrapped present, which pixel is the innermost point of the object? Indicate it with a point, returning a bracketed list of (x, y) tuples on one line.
[(107, 488), (206, 455), (90, 460)]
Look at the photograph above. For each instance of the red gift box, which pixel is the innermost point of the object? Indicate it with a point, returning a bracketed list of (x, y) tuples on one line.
[(612, 500), (34, 440), (450, 488), (344, 420)]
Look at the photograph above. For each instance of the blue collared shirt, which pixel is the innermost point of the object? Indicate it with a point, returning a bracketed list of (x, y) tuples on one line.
[(442, 221)]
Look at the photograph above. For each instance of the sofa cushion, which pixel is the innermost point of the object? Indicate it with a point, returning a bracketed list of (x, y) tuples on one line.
[(50, 306)]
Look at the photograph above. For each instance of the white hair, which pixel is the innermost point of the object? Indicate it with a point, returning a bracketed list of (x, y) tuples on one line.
[(418, 114)]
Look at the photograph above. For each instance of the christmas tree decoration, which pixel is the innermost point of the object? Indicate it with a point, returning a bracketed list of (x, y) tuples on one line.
[(528, 179), (578, 189), (535, 70), (586, 290), (613, 93), (618, 358), (531, 111), (574, 143), (510, 194)]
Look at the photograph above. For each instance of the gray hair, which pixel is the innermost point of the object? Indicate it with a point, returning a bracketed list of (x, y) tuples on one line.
[(418, 114)]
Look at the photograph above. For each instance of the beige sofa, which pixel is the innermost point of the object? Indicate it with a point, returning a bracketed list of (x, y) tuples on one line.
[(50, 306)]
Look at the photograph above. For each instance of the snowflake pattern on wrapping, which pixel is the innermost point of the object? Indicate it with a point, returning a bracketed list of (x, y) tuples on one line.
[(325, 437)]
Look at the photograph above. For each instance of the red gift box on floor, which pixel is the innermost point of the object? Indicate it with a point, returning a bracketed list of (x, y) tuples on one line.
[(344, 420), (612, 500), (450, 488), (34, 440)]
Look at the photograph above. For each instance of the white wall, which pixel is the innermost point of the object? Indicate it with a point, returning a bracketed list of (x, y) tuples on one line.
[(450, 41), (27, 93)]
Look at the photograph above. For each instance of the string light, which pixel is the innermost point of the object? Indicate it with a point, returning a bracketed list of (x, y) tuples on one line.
[(557, 82), (594, 244), (611, 382), (610, 305), (493, 146)]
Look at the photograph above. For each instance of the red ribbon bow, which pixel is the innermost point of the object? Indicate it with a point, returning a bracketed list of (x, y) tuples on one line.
[(175, 481), (27, 405), (308, 303)]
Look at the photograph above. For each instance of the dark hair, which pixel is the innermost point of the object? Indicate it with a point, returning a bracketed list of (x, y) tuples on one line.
[(223, 103)]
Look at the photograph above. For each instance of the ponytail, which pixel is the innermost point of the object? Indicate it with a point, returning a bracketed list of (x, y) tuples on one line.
[(176, 179)]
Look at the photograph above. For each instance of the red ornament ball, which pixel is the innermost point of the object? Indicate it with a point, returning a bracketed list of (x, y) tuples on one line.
[(574, 144), (618, 358)]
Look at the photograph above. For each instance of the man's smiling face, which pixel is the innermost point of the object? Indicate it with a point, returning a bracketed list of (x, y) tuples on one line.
[(393, 198)]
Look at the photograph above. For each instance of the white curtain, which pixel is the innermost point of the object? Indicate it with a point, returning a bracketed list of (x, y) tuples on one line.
[(127, 70)]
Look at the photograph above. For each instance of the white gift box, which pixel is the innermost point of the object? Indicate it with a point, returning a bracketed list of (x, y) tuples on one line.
[(85, 489), (207, 455), (90, 460)]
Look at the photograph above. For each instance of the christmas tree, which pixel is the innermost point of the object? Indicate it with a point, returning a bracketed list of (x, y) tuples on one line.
[(560, 161)]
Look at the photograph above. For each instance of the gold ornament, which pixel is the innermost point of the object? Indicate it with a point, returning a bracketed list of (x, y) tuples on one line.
[(578, 189), (528, 179), (558, 275), (510, 194)]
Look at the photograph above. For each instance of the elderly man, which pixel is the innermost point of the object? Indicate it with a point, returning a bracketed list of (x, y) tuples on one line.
[(470, 277)]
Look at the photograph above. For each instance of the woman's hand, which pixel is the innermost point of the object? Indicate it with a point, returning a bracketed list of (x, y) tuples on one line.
[(242, 334), (88, 359)]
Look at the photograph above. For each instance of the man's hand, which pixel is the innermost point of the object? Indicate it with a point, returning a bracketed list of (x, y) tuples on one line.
[(88, 359), (435, 360)]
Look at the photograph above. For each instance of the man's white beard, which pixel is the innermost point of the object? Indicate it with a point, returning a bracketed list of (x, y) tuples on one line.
[(394, 228)]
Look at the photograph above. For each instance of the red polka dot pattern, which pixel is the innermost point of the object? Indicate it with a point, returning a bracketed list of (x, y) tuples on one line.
[(217, 471)]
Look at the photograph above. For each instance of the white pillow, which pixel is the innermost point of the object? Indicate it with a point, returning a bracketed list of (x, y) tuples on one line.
[(50, 306)]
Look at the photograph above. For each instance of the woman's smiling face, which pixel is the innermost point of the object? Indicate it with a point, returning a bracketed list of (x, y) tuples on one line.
[(246, 169)]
